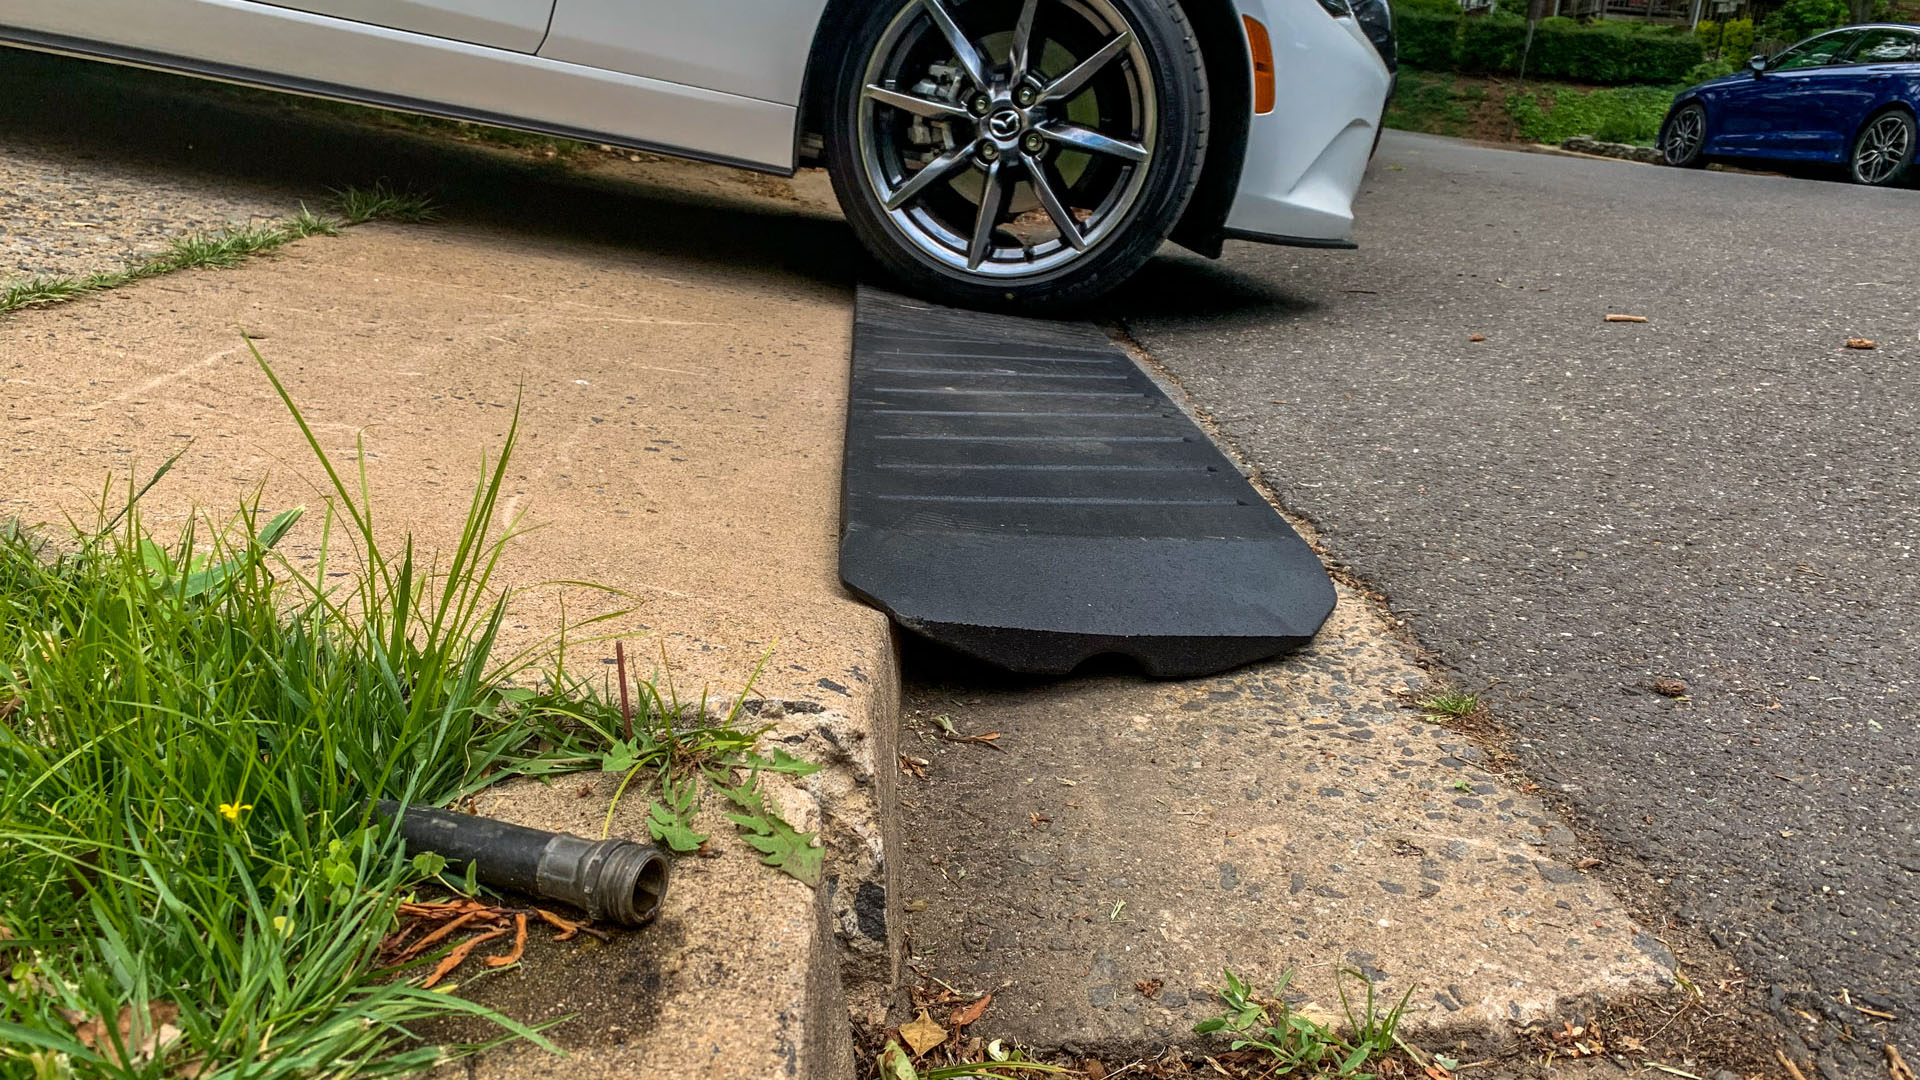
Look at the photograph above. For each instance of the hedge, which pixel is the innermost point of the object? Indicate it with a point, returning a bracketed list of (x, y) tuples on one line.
[(1605, 52)]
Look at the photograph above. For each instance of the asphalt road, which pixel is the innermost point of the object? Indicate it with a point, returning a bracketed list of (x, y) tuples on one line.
[(1572, 509)]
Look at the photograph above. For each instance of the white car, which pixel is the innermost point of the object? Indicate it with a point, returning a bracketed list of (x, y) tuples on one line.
[(991, 152)]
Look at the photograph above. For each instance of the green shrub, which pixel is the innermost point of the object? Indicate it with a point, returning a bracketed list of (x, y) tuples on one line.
[(1798, 19), (1606, 52), (1736, 39), (1491, 44), (1629, 114), (1708, 32), (1711, 69), (1428, 39)]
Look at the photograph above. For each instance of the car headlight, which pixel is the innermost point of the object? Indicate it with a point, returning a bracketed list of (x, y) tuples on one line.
[(1339, 9)]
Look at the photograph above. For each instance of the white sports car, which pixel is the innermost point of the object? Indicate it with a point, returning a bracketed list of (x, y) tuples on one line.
[(999, 152)]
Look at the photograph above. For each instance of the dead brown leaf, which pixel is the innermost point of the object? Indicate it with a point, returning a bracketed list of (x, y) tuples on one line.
[(458, 956), (519, 944), (1587, 863), (967, 1014), (438, 936), (135, 1038), (10, 706), (1670, 688), (1897, 1066), (568, 930), (1626, 318), (1862, 343), (1148, 987), (915, 765), (1037, 819), (1094, 1068), (1476, 337), (923, 1034)]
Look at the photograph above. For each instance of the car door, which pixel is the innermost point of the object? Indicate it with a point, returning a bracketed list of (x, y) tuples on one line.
[(1881, 60), (1796, 108), (753, 48), (519, 25)]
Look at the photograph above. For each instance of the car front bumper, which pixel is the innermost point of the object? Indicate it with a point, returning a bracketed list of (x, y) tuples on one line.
[(1306, 158)]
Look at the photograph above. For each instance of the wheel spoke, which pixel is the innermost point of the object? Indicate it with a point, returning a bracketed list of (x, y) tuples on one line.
[(938, 169), (917, 105), (1093, 142), (1066, 86), (1063, 218), (1023, 39), (992, 198), (963, 49)]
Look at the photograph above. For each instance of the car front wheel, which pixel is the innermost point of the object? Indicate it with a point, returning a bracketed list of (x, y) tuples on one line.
[(1017, 153), (1684, 140), (1883, 151)]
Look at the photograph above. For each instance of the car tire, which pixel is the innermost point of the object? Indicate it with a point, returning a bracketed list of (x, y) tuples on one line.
[(1086, 178), (1883, 151), (1683, 138)]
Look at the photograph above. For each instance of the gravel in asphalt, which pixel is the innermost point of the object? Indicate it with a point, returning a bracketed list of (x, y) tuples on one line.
[(1571, 510)]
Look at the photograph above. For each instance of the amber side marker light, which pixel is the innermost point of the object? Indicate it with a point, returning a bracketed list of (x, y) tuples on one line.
[(1261, 47)]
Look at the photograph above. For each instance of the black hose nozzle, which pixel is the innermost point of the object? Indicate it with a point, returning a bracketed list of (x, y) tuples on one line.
[(612, 880)]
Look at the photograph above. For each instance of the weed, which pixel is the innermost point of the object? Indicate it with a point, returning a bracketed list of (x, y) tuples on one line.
[(382, 203), (1452, 703), (1297, 1042), (29, 292), (307, 223), (226, 248), (191, 736)]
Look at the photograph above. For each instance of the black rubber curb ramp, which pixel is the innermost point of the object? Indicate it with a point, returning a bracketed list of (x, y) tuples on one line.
[(1020, 491)]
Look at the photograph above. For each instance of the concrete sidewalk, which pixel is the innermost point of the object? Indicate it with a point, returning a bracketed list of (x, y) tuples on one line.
[(680, 428)]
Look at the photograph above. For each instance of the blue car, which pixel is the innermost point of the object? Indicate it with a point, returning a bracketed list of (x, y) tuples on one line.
[(1846, 97)]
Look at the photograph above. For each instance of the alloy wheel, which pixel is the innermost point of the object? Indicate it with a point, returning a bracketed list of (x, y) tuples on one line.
[(1684, 135), (1883, 148), (1008, 138)]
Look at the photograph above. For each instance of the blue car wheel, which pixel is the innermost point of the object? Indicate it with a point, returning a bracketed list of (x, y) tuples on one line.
[(1685, 137), (1883, 151)]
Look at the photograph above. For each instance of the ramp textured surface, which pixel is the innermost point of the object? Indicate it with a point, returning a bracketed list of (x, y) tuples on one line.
[(1019, 490)]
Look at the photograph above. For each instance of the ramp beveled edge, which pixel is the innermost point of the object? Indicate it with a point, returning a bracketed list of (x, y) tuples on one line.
[(1020, 491)]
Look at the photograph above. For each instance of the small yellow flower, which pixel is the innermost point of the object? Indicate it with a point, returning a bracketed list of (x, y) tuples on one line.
[(232, 811), (282, 925)]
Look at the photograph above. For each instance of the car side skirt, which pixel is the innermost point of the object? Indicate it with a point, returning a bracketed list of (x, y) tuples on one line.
[(295, 51)]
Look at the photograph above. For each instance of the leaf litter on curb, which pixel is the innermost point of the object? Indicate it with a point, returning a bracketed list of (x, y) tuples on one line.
[(923, 1033), (485, 922)]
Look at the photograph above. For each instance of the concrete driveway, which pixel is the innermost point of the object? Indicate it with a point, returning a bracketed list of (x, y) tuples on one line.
[(1571, 510)]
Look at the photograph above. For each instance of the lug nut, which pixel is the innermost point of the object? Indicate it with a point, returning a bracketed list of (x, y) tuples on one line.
[(1033, 142), (988, 152), (980, 104), (1025, 96)]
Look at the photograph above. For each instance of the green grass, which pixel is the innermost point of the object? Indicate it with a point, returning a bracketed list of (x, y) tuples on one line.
[(382, 203), (190, 737), (1451, 703), (1442, 103), (1296, 1043), (227, 248), (1437, 104), (1626, 114)]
